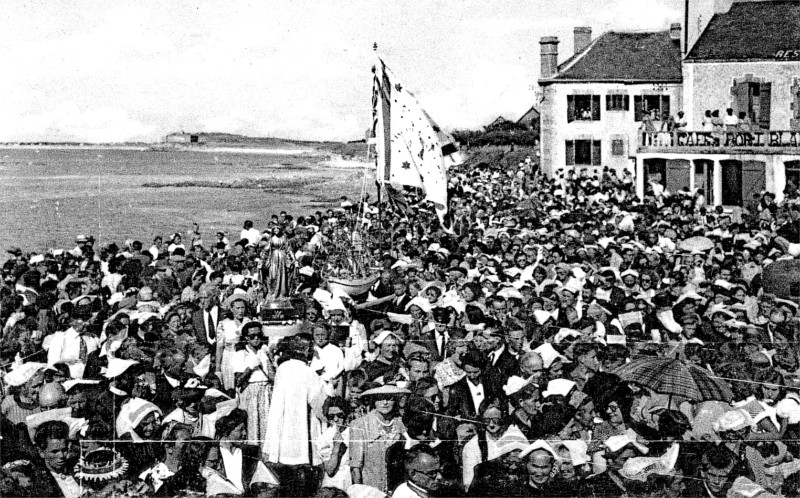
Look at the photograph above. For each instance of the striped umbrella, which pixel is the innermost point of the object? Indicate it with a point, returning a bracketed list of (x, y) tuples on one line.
[(676, 378)]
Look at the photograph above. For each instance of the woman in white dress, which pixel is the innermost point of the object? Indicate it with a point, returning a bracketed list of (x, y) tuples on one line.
[(333, 443), (254, 373), (229, 332)]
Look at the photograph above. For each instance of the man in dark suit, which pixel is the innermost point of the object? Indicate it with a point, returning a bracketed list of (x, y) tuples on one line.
[(608, 293), (435, 341), (467, 395), (206, 319), (501, 364), (383, 287), (401, 298)]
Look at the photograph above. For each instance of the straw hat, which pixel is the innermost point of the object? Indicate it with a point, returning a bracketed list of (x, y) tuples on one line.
[(386, 389), (238, 295)]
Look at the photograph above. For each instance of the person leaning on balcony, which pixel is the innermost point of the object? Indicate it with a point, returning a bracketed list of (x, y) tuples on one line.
[(667, 127), (745, 125), (717, 126), (708, 125), (647, 129), (680, 123), (731, 121)]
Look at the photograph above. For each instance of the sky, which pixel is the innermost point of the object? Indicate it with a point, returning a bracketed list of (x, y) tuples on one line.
[(100, 71)]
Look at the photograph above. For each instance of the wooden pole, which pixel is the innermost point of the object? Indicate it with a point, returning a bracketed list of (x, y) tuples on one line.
[(378, 185)]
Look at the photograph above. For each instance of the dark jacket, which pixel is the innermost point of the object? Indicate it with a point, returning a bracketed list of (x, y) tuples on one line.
[(398, 305), (460, 404), (199, 326), (496, 375), (499, 477), (43, 483)]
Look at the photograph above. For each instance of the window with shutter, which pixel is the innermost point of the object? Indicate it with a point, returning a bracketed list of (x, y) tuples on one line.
[(570, 108), (792, 175), (741, 99), (765, 104), (626, 102), (794, 123), (616, 102), (595, 108), (596, 155), (665, 106), (638, 108), (570, 153), (583, 152)]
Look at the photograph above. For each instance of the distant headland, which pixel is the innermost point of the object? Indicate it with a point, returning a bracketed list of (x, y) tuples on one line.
[(353, 151)]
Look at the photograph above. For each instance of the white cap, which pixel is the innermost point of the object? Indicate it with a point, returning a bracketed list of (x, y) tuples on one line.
[(549, 354), (558, 387)]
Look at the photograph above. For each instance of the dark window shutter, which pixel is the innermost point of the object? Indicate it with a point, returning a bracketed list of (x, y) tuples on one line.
[(596, 156), (570, 153), (595, 108), (796, 103), (665, 105), (766, 105), (617, 147), (570, 108), (741, 93), (608, 102), (626, 102), (637, 107)]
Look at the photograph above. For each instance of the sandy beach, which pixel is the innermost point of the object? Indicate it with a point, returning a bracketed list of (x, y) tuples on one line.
[(98, 190)]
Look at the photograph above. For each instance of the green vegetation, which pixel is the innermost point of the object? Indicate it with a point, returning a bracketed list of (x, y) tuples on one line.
[(501, 134)]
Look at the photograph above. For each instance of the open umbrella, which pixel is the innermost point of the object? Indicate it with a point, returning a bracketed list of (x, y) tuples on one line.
[(696, 244), (676, 378)]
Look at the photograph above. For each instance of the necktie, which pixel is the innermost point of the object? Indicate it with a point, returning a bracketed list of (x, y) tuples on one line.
[(212, 333)]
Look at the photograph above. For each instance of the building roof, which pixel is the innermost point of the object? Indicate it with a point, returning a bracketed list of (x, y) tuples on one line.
[(498, 121), (530, 115), (625, 57), (751, 30)]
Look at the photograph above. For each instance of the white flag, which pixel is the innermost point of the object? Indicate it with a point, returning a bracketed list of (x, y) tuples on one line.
[(408, 148)]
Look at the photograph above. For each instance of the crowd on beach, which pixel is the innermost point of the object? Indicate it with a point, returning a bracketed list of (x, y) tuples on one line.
[(547, 337)]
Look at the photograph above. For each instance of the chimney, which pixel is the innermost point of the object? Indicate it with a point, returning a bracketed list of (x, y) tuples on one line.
[(549, 56), (675, 32), (583, 36)]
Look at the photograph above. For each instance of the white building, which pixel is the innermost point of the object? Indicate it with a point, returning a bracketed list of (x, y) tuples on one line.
[(592, 103), (742, 55)]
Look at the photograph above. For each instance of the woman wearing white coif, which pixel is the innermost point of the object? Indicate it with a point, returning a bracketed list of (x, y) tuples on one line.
[(229, 332), (137, 427)]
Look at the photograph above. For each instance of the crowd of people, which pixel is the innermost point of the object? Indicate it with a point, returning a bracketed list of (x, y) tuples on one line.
[(548, 337)]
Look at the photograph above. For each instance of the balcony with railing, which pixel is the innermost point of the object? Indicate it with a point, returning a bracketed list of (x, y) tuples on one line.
[(709, 142)]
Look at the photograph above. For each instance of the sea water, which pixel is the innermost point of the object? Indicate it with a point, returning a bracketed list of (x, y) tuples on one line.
[(49, 195)]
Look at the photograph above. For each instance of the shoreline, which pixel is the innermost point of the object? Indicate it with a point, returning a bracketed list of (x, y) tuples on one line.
[(169, 148), (324, 158)]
